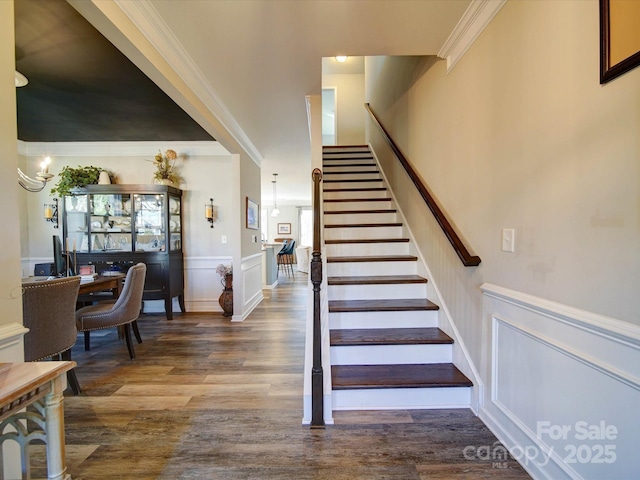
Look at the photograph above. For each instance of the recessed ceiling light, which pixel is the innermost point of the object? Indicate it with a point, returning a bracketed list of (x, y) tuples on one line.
[(341, 58), (21, 80)]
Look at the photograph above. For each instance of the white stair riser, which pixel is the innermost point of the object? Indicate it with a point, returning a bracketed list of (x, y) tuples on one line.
[(376, 292), (358, 165), (366, 249), (370, 175), (412, 319), (401, 398), (348, 233), (390, 354), (370, 268), (364, 205), (338, 154), (367, 184), (359, 218), (356, 194)]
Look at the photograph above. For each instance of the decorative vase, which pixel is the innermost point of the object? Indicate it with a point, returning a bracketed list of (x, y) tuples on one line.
[(164, 181), (103, 178), (226, 298)]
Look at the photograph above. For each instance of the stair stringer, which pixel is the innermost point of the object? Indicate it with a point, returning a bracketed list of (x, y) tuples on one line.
[(461, 356)]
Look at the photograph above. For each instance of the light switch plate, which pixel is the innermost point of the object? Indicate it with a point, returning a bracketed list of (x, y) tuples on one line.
[(508, 240), (224, 239)]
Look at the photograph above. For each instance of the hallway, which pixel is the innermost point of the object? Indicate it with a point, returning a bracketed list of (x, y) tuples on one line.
[(210, 399)]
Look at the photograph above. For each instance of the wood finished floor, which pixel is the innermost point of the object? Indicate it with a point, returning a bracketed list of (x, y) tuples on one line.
[(210, 399)]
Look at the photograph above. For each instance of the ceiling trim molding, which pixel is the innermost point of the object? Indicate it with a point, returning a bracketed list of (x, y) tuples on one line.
[(119, 149), (474, 20), (147, 19)]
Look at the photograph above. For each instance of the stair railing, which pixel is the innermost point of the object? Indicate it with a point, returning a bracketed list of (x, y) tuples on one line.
[(317, 378), (467, 259)]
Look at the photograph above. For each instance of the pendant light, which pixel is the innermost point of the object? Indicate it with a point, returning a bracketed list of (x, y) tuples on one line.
[(275, 212)]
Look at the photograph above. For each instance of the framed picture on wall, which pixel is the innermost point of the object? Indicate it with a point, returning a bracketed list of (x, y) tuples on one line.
[(284, 228), (253, 214), (619, 38)]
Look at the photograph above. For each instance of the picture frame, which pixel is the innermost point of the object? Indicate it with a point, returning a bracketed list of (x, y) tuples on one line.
[(284, 229), (619, 38), (253, 214)]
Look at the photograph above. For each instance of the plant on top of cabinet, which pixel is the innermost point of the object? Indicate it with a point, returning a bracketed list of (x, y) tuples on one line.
[(70, 178), (166, 173)]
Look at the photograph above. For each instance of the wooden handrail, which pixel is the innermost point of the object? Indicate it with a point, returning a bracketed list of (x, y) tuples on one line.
[(317, 381), (467, 259)]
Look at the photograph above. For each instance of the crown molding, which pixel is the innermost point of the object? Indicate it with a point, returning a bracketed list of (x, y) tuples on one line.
[(147, 19), (474, 20), (119, 149)]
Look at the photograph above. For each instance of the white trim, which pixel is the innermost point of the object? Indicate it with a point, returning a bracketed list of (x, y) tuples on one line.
[(474, 20), (607, 327), (119, 149), (146, 18), (11, 334)]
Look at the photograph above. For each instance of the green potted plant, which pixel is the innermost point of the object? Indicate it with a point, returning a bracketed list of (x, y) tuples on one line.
[(70, 178)]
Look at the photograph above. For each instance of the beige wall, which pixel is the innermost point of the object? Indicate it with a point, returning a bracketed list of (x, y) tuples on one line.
[(520, 134), (10, 299), (349, 107)]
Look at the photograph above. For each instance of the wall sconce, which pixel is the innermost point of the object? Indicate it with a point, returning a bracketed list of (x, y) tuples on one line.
[(51, 212), (42, 177), (276, 211), (209, 212)]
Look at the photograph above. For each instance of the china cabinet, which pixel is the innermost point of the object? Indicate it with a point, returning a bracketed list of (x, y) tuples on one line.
[(113, 227)]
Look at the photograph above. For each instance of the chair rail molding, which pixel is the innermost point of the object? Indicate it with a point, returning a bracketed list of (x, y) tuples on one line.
[(11, 342)]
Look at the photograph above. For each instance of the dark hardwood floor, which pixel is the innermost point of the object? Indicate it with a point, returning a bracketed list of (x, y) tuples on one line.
[(210, 399)]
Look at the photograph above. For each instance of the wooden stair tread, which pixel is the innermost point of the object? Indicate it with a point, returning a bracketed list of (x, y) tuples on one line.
[(358, 212), (370, 189), (342, 164), (433, 375), (353, 180), (360, 225), (355, 172), (367, 240), (373, 258), (337, 200), (388, 336), (376, 280), (384, 305)]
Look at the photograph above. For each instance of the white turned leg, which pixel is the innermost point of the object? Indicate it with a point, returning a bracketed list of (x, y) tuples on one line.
[(54, 421)]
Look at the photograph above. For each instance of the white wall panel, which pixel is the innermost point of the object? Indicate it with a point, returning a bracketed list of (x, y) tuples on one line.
[(564, 388)]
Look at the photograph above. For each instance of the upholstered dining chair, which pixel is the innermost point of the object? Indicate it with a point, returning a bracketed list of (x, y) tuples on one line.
[(121, 312), (48, 311)]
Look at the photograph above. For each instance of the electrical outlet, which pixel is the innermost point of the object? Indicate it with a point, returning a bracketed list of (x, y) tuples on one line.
[(254, 238), (508, 240), (224, 239)]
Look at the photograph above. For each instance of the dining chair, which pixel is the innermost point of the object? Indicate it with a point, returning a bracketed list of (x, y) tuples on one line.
[(48, 311), (121, 312)]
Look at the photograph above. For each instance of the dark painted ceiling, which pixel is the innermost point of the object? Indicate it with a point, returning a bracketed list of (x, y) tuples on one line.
[(82, 89)]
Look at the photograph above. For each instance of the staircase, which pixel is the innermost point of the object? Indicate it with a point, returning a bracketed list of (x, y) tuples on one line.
[(386, 348)]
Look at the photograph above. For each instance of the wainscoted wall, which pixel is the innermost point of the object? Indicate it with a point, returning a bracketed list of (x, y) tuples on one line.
[(11, 347), (202, 284), (252, 285), (564, 386)]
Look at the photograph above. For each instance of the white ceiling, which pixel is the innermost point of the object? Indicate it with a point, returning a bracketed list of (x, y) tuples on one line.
[(264, 56)]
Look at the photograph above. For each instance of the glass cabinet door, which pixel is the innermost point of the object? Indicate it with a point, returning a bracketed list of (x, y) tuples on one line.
[(150, 223), (175, 223), (109, 222), (77, 228)]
